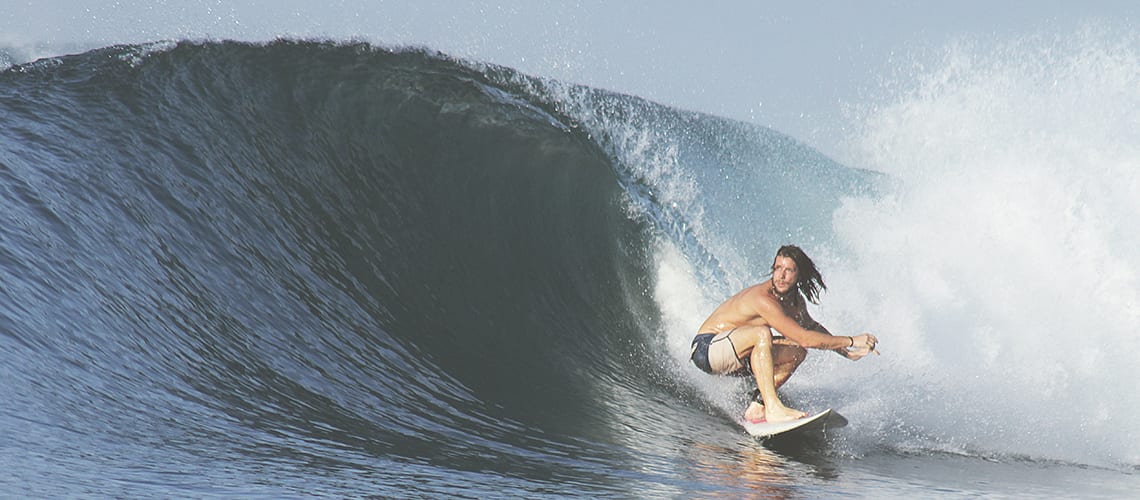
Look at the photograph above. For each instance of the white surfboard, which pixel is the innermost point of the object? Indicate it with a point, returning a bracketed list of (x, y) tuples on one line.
[(826, 419)]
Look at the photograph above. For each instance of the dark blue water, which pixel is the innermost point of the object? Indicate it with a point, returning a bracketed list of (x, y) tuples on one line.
[(318, 269)]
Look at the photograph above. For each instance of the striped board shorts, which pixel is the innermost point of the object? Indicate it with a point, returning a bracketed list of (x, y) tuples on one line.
[(714, 353)]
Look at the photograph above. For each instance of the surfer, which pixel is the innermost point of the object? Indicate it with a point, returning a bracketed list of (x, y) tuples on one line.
[(737, 339)]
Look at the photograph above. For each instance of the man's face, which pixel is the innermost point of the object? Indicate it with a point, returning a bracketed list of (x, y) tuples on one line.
[(784, 274)]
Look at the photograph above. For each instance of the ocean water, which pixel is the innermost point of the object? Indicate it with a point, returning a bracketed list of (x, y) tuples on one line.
[(300, 268)]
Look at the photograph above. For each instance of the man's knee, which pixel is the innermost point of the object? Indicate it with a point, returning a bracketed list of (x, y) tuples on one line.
[(761, 335), (747, 338)]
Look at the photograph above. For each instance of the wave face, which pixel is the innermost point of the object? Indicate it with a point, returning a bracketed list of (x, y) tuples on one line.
[(310, 254), (331, 268)]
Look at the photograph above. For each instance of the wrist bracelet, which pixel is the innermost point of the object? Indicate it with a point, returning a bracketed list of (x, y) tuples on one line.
[(852, 341)]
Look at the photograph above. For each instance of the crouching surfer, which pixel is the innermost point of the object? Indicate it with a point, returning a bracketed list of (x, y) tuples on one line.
[(737, 339)]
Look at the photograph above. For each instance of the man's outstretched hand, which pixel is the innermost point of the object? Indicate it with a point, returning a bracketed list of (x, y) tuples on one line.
[(863, 345)]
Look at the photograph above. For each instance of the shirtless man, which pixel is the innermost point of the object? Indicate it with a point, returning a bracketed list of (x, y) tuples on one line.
[(737, 338)]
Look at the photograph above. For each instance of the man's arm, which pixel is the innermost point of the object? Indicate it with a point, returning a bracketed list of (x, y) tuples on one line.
[(774, 315), (853, 355), (812, 324)]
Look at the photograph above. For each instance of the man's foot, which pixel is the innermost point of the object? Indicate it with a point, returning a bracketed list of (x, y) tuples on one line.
[(782, 414), (755, 413)]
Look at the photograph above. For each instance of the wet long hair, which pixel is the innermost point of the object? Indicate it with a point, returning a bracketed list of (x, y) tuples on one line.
[(809, 281)]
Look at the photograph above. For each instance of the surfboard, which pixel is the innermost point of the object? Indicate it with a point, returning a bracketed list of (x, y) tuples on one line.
[(826, 419)]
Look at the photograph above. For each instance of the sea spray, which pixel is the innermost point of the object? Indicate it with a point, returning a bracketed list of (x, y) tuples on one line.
[(1002, 275)]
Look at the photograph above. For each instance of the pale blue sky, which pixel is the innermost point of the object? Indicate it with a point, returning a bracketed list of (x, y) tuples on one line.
[(794, 66)]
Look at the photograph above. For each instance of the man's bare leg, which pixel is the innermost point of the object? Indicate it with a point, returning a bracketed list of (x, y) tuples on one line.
[(763, 368), (786, 358)]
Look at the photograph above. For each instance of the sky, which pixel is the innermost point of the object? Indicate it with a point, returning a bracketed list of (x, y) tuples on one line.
[(798, 67)]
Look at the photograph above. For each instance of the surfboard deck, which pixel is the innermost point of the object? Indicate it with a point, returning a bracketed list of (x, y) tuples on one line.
[(826, 419)]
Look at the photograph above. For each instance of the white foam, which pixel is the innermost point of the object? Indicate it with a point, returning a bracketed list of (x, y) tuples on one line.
[(1002, 277), (683, 304)]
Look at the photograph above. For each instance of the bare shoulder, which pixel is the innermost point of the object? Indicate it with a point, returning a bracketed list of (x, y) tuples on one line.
[(757, 297)]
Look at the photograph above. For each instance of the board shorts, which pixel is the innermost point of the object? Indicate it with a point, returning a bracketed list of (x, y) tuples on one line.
[(714, 353)]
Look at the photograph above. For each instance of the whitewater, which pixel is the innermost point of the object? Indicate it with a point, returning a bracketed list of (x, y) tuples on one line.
[(334, 268)]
